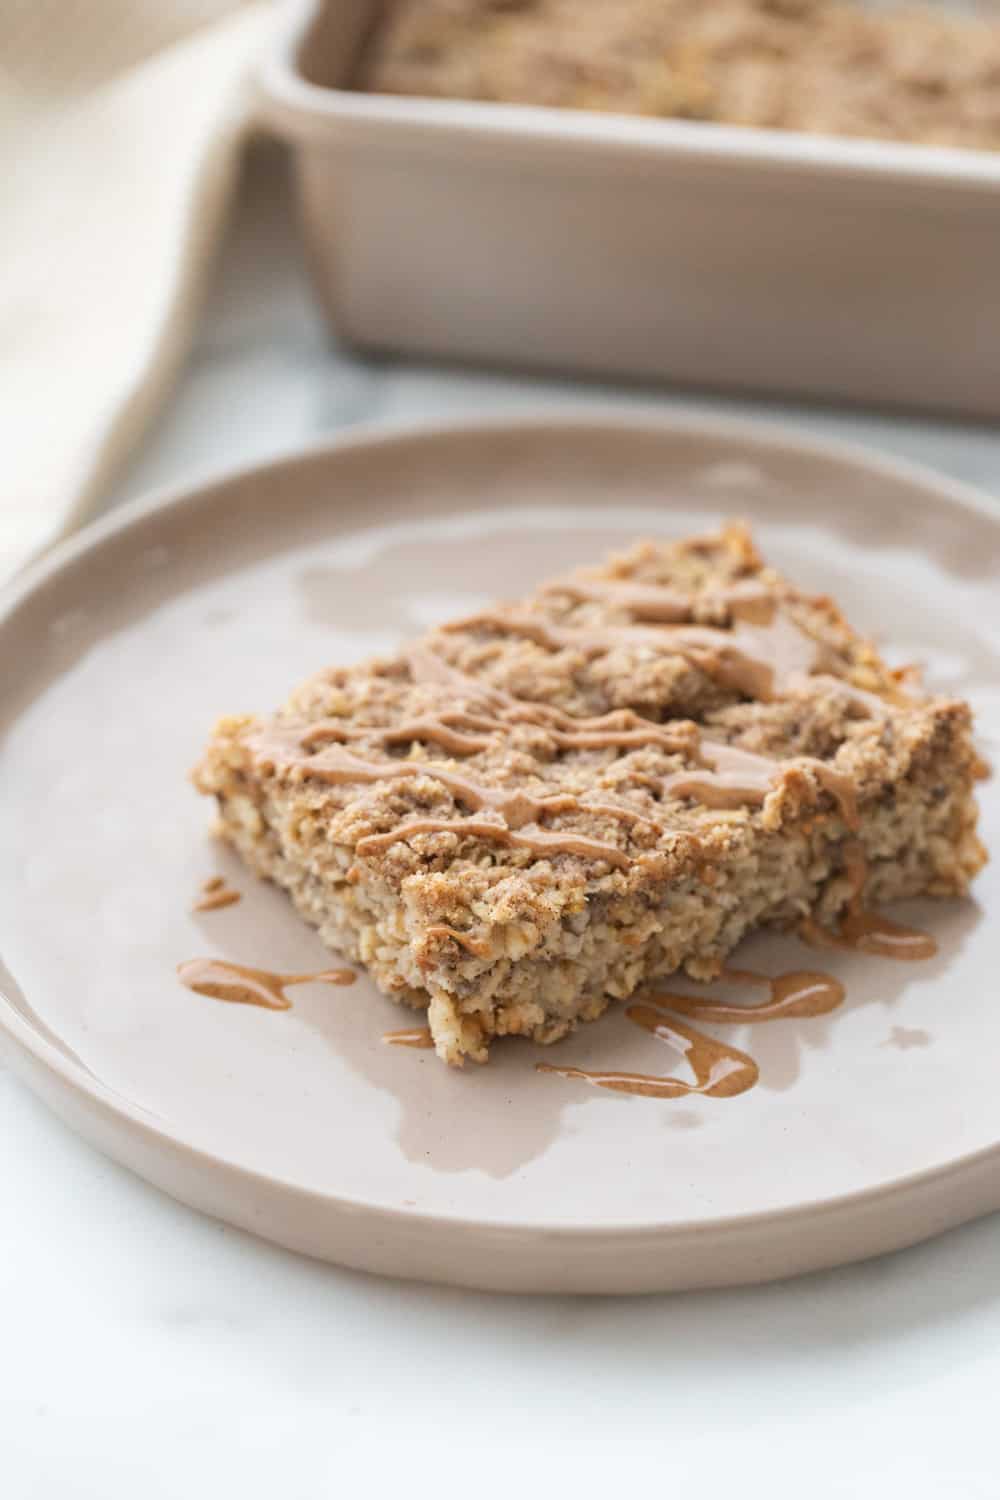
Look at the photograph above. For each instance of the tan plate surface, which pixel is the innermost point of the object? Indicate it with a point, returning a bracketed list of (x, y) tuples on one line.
[(871, 1128)]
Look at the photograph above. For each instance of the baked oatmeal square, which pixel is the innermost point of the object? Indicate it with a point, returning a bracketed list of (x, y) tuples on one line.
[(540, 809)]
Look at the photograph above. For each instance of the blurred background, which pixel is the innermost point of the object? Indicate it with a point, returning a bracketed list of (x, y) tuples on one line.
[(230, 229), (769, 202)]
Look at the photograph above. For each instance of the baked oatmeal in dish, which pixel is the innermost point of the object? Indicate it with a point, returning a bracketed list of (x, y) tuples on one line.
[(916, 73), (535, 811)]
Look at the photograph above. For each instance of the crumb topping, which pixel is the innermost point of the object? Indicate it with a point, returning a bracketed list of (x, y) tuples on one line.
[(621, 724)]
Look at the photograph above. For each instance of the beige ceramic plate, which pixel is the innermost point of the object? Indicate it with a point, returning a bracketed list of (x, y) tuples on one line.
[(871, 1128)]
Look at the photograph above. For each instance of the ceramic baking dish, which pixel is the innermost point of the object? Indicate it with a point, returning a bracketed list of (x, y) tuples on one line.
[(599, 243)]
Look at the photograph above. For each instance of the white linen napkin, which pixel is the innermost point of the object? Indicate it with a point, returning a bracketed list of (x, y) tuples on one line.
[(120, 127)]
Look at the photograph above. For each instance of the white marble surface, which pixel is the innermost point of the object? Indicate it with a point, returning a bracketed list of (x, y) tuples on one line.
[(150, 1352)]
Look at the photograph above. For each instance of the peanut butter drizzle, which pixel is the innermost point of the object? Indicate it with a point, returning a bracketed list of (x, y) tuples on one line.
[(221, 980), (515, 806), (731, 778), (541, 842), (751, 658), (339, 768), (740, 778), (756, 661), (481, 946), (444, 730), (492, 711), (426, 665), (865, 931), (720, 1071), (658, 604), (414, 1036), (793, 996), (680, 736), (838, 786), (623, 739), (215, 894), (447, 730)]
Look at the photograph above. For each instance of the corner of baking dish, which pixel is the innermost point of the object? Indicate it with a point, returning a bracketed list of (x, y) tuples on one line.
[(301, 111)]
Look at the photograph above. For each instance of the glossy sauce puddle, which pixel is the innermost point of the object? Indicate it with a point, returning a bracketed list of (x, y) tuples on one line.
[(216, 894), (413, 1036), (221, 980), (864, 931), (720, 1070)]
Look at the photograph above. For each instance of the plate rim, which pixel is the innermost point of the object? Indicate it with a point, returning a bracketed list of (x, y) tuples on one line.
[(76, 1081)]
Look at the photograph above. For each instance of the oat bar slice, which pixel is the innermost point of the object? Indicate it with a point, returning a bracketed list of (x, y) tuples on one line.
[(539, 809)]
